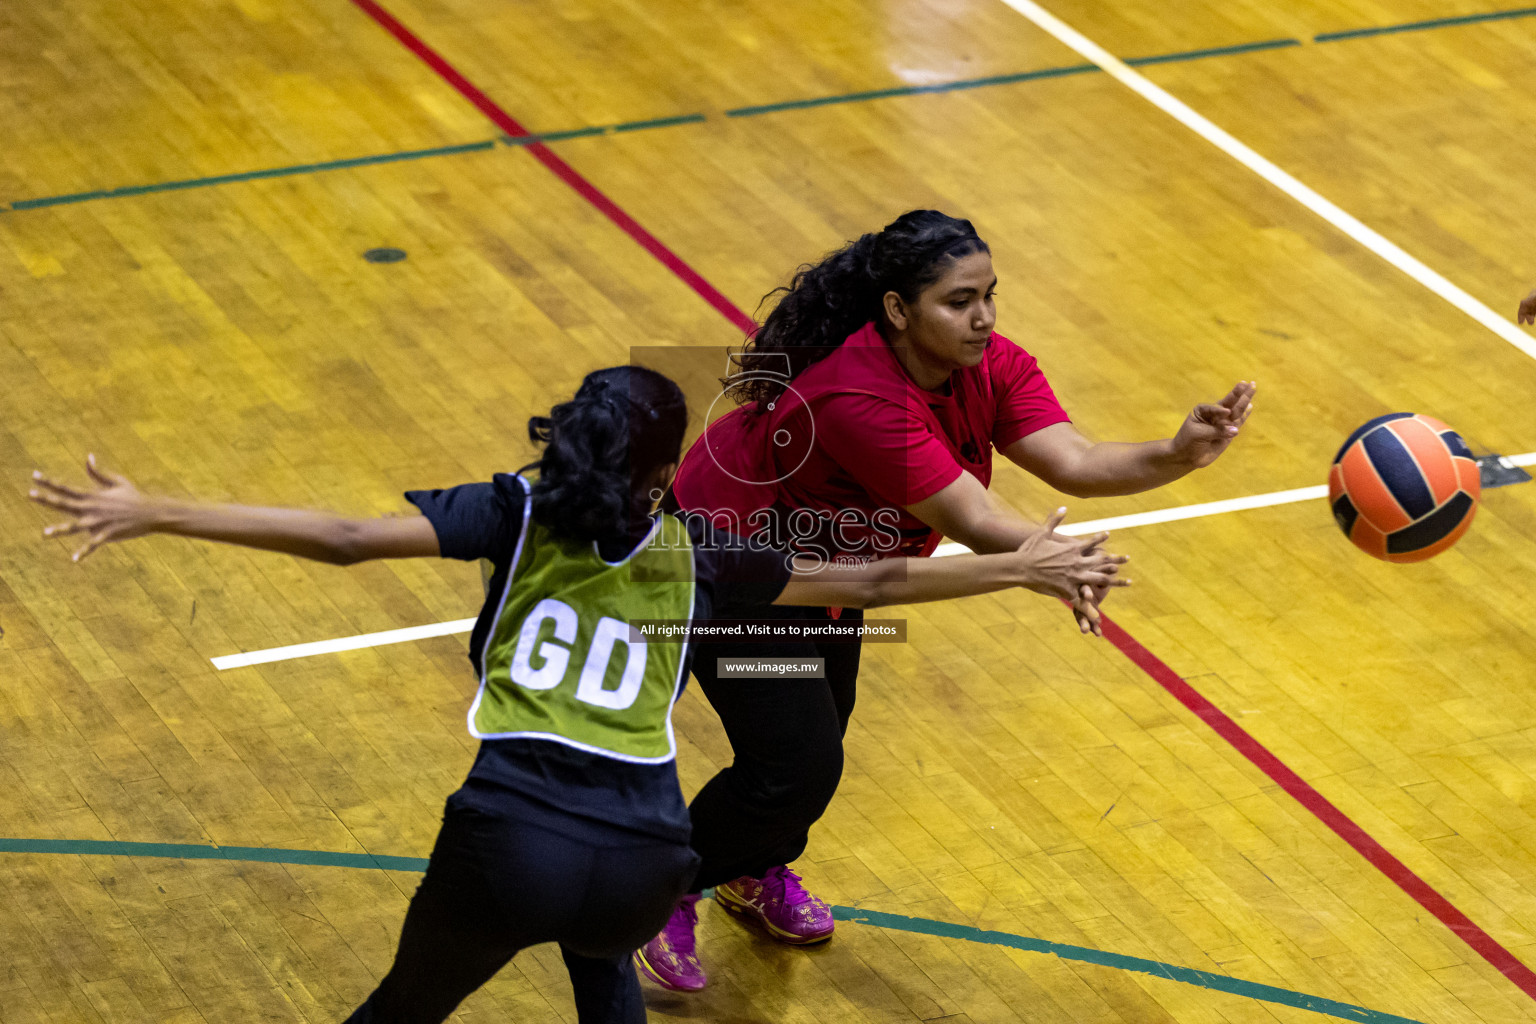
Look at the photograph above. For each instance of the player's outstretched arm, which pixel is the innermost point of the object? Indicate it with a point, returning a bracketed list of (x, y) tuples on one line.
[(966, 512), (113, 509), (1528, 309), (1040, 563), (1074, 465)]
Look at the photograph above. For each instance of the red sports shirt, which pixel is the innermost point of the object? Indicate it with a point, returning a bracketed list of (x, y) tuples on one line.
[(854, 440)]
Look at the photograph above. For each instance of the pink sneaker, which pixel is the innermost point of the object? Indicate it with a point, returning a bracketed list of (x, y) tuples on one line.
[(669, 959), (779, 903)]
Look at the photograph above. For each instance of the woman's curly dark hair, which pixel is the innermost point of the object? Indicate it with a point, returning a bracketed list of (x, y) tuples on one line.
[(826, 302), (600, 450)]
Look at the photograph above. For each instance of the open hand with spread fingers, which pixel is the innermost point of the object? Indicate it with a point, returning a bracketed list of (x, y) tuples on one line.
[(111, 510)]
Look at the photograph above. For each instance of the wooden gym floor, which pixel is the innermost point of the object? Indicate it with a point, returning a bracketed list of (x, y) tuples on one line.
[(1299, 783)]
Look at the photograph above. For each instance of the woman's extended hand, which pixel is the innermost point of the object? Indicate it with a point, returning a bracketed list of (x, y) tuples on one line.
[(1211, 427), (1528, 309), (1059, 566), (114, 511)]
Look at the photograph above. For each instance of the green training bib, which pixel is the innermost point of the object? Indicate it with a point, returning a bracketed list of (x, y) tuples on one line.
[(560, 663)]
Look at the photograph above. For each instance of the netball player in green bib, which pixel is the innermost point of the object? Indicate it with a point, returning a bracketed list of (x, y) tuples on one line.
[(571, 827)]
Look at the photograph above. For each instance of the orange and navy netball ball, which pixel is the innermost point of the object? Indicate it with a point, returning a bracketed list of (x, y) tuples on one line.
[(1404, 487)]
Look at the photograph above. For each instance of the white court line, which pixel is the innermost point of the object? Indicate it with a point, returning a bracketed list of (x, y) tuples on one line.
[(1218, 137), (1162, 515), (346, 643), (1171, 515)]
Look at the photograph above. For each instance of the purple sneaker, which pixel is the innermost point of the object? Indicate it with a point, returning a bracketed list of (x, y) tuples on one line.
[(669, 959), (779, 903)]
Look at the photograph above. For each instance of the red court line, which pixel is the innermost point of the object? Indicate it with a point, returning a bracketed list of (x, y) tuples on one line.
[(1485, 945), (564, 171), (1480, 941)]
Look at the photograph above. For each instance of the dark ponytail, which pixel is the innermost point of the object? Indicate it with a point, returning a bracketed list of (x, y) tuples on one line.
[(828, 301), (600, 449)]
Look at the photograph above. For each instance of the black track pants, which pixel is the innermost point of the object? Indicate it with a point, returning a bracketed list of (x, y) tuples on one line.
[(787, 736), (496, 884)]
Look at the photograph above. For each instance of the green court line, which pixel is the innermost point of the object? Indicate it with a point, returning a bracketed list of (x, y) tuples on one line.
[(910, 90), (659, 122), (273, 172), (574, 133), (602, 129), (191, 851), (990, 80), (874, 918), (1419, 26), (336, 165), (1218, 51), (1119, 961), (752, 111)]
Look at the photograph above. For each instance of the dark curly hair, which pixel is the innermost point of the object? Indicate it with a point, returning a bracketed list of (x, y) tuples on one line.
[(600, 449), (827, 301)]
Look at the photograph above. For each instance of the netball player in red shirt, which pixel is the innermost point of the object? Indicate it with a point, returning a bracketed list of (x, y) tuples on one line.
[(872, 399)]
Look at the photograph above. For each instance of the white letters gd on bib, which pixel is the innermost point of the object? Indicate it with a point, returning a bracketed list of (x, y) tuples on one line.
[(557, 656)]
